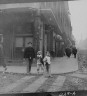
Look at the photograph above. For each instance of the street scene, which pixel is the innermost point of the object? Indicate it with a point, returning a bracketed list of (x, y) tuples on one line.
[(41, 47), (64, 78)]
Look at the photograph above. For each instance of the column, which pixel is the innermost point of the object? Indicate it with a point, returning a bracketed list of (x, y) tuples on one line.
[(41, 36), (39, 32)]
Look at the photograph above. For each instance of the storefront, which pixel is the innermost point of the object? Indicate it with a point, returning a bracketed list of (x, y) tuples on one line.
[(23, 26), (17, 27)]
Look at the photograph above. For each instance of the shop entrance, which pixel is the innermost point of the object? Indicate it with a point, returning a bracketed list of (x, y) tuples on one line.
[(21, 42)]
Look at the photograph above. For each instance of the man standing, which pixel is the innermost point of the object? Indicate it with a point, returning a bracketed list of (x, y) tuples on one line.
[(29, 54), (74, 51)]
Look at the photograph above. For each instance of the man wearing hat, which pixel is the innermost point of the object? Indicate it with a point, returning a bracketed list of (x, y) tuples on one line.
[(29, 54)]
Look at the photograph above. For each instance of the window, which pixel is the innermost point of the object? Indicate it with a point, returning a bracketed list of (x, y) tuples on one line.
[(19, 42)]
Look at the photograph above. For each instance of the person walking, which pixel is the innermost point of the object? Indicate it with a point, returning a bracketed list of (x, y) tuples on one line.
[(39, 62), (29, 55), (47, 64), (68, 51), (74, 51)]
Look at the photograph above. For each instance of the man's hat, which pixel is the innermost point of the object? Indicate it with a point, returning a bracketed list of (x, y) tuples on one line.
[(29, 43)]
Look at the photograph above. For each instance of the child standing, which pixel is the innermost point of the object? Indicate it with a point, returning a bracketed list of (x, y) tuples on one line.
[(47, 63), (39, 61)]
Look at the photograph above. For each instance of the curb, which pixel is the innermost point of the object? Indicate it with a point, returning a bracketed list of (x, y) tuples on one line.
[(38, 74)]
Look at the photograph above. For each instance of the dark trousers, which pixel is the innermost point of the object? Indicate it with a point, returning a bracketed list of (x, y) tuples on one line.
[(30, 64), (74, 55), (47, 67)]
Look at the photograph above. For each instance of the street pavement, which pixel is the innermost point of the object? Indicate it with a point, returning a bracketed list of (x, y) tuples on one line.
[(40, 83), (58, 66), (72, 81), (33, 84)]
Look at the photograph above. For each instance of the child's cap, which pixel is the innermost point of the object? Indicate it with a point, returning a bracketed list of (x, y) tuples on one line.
[(47, 53), (39, 52)]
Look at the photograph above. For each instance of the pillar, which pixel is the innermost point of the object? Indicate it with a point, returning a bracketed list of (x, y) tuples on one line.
[(38, 32)]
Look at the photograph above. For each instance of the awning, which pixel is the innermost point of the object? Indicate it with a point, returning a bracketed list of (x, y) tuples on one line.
[(46, 14), (27, 1), (49, 18), (15, 15), (20, 5)]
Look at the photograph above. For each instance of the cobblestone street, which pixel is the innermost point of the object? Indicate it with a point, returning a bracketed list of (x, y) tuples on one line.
[(66, 77), (18, 83)]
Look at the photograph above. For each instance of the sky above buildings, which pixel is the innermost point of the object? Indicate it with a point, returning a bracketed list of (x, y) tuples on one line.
[(78, 10)]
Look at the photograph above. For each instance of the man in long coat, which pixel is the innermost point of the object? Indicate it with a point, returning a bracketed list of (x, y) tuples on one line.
[(74, 51), (29, 54), (68, 51)]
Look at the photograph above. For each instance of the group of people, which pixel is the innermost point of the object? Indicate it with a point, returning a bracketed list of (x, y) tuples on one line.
[(43, 63), (71, 51)]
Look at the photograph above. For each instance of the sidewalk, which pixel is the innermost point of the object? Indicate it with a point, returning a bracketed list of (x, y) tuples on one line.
[(59, 65)]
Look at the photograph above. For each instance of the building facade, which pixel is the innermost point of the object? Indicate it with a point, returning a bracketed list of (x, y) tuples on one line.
[(60, 12), (45, 24)]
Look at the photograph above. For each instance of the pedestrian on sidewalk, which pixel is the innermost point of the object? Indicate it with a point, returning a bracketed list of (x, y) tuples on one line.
[(68, 51), (47, 65), (74, 51), (39, 62), (29, 55), (2, 59)]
